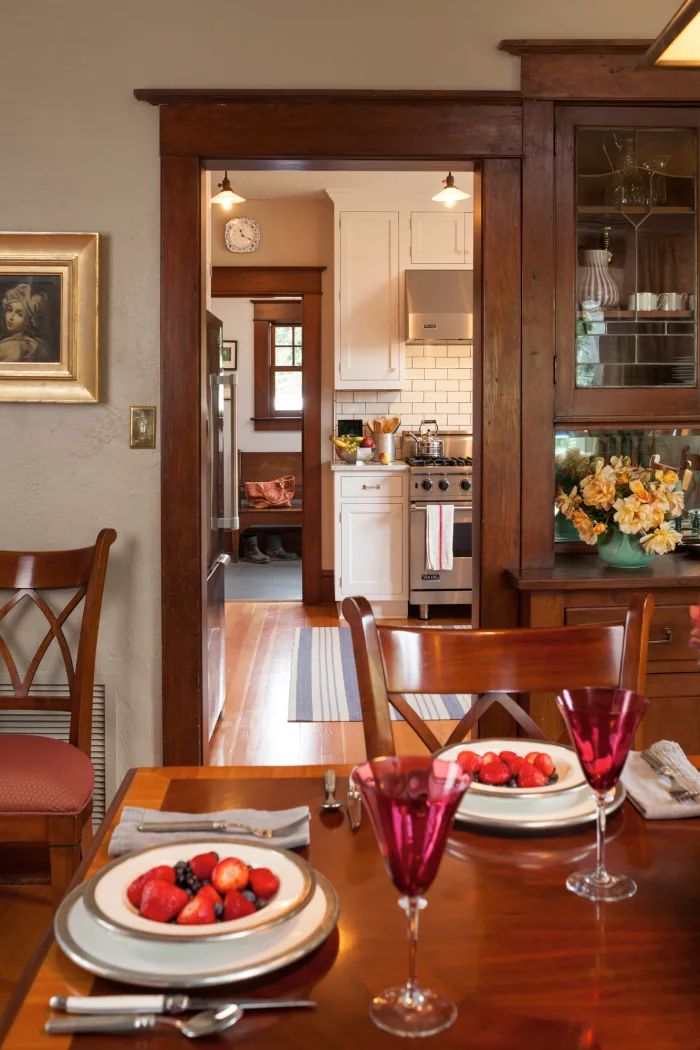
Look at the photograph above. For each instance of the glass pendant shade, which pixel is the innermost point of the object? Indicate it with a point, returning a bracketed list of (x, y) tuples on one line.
[(226, 197), (450, 193), (678, 44)]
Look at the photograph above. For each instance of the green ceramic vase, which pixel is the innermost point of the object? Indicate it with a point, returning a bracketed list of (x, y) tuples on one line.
[(622, 551)]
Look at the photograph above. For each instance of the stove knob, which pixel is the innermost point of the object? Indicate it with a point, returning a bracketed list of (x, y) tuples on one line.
[(427, 484), (466, 485), (444, 484)]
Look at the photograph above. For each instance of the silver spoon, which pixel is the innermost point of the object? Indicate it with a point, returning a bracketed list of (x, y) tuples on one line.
[(208, 1022), (330, 801)]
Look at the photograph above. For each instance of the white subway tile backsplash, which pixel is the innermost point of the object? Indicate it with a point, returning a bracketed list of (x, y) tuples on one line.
[(424, 384), (415, 373), (437, 375), (447, 384), (456, 351), (461, 420)]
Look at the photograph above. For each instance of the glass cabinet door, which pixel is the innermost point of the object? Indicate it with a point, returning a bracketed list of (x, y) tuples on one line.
[(627, 278)]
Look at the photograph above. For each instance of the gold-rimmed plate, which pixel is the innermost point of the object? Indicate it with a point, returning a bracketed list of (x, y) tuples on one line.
[(106, 899)]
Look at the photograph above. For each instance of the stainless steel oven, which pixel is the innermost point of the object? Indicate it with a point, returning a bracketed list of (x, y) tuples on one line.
[(440, 481)]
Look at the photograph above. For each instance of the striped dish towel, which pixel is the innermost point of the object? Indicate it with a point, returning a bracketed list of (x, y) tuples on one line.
[(439, 523)]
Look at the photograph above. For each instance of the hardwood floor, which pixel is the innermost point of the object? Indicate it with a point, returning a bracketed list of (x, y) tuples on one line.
[(254, 728), (25, 914)]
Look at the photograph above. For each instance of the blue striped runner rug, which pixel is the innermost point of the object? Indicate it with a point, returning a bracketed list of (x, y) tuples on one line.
[(324, 682)]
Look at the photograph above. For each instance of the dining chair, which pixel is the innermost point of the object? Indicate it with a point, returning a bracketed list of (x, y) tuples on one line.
[(394, 661), (46, 785)]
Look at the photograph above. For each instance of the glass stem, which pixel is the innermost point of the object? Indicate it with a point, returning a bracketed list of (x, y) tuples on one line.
[(412, 992), (601, 874)]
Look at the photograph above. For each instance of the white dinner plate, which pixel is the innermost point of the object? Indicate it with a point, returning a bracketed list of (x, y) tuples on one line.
[(543, 814), (106, 899), (191, 964), (569, 773)]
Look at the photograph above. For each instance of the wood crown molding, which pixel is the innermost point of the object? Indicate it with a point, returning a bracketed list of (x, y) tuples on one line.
[(574, 47), (198, 96)]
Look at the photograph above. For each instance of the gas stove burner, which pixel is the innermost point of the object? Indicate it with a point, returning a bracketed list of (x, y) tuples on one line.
[(438, 461)]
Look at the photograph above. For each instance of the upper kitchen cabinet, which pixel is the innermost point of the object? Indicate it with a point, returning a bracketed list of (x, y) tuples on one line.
[(367, 332), (441, 238), (626, 264)]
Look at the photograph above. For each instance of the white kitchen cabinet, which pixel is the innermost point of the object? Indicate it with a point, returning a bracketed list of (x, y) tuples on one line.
[(371, 538), (368, 346), (437, 237)]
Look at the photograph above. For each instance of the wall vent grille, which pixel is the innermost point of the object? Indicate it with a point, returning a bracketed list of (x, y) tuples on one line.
[(56, 724)]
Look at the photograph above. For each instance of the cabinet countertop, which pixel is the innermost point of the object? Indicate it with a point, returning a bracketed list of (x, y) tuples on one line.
[(577, 572), (375, 468)]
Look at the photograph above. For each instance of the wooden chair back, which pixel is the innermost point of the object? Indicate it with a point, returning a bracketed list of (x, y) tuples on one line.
[(27, 574), (392, 661)]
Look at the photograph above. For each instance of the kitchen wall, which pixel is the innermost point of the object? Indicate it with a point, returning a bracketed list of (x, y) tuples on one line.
[(439, 386), (80, 153)]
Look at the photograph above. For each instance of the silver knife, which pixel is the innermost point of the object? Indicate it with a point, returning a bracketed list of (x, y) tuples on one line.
[(228, 826), (354, 805), (162, 1004)]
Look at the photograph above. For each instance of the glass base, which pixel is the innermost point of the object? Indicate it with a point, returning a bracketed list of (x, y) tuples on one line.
[(611, 888), (412, 1014)]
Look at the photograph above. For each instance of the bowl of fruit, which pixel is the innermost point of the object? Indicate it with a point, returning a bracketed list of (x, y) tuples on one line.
[(352, 448), (204, 889), (518, 768)]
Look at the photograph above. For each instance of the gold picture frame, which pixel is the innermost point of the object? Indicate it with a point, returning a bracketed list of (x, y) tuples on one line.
[(49, 317)]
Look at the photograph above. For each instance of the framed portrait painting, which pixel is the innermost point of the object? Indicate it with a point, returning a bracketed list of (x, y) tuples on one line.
[(49, 317), (229, 354)]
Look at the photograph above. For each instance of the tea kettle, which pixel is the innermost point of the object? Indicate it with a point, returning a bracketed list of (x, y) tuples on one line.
[(427, 441)]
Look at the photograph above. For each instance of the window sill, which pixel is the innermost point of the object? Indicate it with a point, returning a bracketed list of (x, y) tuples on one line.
[(276, 422)]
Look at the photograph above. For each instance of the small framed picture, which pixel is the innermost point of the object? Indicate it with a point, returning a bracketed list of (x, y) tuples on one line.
[(229, 354)]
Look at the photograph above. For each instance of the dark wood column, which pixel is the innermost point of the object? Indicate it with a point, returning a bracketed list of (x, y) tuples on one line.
[(182, 448)]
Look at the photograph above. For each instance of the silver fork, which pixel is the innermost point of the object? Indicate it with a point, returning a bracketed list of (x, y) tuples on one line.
[(676, 791)]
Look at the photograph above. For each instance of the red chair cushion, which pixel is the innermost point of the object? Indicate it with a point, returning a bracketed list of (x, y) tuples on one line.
[(39, 775)]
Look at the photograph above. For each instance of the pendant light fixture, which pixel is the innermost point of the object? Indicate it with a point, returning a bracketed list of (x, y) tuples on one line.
[(678, 44), (450, 194), (226, 197)]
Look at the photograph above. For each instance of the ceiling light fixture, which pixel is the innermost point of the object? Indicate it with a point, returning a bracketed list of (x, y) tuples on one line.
[(450, 194), (678, 44), (226, 197)]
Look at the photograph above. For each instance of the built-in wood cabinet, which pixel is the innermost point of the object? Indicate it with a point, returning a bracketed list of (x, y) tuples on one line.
[(371, 536), (367, 307)]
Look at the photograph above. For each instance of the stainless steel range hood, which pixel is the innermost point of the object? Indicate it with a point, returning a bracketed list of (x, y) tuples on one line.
[(439, 306)]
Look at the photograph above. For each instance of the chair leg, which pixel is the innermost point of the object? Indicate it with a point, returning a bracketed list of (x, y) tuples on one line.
[(64, 864)]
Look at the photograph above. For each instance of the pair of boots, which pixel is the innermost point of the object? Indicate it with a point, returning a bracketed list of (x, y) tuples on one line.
[(273, 546)]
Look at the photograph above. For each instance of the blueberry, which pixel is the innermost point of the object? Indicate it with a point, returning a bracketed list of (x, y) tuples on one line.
[(513, 782), (259, 903), (219, 910), (249, 896)]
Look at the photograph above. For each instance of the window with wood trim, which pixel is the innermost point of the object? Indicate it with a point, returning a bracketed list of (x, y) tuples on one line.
[(278, 364)]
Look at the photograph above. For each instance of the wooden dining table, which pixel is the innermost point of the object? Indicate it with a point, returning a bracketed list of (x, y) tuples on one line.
[(527, 962)]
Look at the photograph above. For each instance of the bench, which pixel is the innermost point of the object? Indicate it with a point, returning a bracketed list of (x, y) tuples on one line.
[(266, 466)]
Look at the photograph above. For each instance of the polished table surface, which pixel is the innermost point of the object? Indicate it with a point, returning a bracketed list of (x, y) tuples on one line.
[(528, 963)]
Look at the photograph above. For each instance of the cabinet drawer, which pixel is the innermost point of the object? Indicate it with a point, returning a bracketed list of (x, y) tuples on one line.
[(373, 486), (670, 629)]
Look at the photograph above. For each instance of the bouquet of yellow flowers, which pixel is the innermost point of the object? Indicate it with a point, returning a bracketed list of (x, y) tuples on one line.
[(636, 500)]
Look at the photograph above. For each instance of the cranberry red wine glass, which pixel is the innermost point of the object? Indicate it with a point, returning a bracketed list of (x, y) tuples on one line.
[(412, 802), (602, 724)]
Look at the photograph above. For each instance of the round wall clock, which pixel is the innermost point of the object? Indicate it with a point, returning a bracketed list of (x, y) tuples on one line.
[(242, 234)]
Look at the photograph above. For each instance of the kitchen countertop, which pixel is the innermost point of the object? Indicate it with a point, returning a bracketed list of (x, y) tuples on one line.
[(372, 465)]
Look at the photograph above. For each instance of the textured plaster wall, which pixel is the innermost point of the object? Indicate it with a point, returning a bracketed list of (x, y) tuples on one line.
[(79, 153)]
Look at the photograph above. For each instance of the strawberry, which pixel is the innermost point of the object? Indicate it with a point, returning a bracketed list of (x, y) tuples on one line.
[(236, 906), (264, 883), (198, 911), (508, 757), (135, 890), (544, 764), (495, 772), (530, 776), (516, 764), (203, 865), (469, 761), (161, 900), (210, 892), (490, 756), (230, 874), (531, 756)]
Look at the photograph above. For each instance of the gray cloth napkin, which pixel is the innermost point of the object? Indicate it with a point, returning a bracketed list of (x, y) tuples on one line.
[(649, 791), (126, 836)]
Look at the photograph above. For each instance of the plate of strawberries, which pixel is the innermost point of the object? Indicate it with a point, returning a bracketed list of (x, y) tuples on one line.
[(518, 768), (205, 889)]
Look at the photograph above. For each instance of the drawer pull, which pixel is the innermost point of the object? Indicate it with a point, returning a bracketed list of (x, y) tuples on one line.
[(668, 637), (371, 486)]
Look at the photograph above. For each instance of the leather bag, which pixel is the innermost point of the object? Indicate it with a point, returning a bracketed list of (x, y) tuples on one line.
[(270, 494)]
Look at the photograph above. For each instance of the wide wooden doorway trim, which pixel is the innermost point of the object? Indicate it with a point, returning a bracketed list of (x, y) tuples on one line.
[(369, 129), (254, 281)]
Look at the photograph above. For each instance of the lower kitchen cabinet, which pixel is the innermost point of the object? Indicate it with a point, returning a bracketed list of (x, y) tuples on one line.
[(371, 539), (581, 590)]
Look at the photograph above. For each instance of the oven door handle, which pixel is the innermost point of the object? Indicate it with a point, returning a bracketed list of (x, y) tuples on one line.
[(458, 510)]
